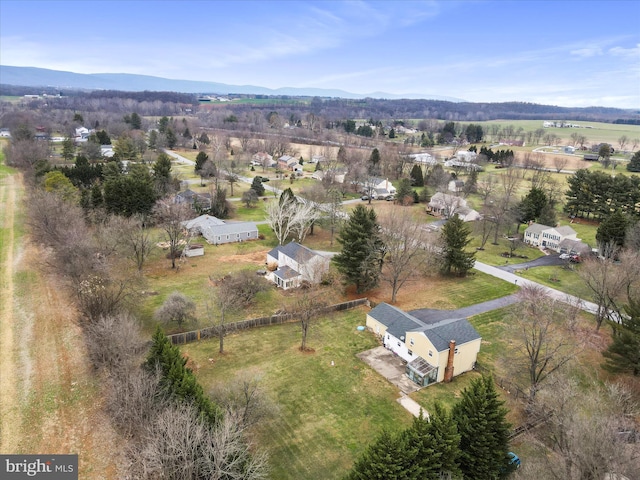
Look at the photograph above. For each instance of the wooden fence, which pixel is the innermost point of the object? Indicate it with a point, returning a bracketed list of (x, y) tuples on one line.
[(212, 332)]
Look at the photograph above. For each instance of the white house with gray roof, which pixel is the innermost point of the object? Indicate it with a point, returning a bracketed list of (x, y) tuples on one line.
[(290, 265), (436, 345), (539, 235)]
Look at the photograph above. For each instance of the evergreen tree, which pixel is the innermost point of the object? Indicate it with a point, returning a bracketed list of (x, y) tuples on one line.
[(634, 163), (548, 216), (153, 139), (135, 121), (455, 236), (445, 433), (129, 194), (374, 162), (360, 259), (623, 354), (612, 230), (171, 138), (484, 442), (178, 381), (162, 173), (392, 133), (383, 460), (404, 194), (68, 149), (532, 205), (416, 176), (204, 138), (256, 185), (201, 158)]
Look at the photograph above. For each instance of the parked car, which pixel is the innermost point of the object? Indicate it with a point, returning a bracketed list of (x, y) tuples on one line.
[(575, 259), (390, 198), (364, 197), (514, 459), (564, 256)]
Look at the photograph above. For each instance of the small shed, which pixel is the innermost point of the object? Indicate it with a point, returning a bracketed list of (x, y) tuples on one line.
[(194, 250)]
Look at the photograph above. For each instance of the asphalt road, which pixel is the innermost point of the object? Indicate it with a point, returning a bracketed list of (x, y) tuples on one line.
[(547, 260)]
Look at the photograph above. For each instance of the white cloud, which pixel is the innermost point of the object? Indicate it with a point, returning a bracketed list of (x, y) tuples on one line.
[(633, 52), (587, 52)]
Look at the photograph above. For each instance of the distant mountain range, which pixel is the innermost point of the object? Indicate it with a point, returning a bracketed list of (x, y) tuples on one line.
[(42, 77)]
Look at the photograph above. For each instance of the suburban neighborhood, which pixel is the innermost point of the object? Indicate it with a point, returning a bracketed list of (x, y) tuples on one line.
[(257, 255)]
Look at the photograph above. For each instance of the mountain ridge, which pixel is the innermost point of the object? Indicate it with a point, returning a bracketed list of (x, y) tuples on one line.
[(43, 77)]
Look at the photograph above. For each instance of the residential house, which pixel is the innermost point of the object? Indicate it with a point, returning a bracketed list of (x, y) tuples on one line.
[(423, 158), (292, 264), (381, 187), (548, 237), (574, 247), (287, 162), (216, 231), (333, 175), (318, 158), (435, 346), (263, 159), (449, 205), (197, 201)]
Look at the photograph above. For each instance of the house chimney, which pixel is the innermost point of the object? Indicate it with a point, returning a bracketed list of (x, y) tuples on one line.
[(448, 371)]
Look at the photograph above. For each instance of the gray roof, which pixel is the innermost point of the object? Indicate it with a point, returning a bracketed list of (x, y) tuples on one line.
[(437, 327), (298, 252), (286, 273), (227, 229), (565, 230), (398, 323), (536, 228), (202, 221)]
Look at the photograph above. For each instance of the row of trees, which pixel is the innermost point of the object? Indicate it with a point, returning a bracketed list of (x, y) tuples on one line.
[(598, 194), (471, 442)]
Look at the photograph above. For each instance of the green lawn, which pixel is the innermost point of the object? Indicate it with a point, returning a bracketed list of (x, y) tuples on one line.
[(326, 414), (491, 253), (563, 279)]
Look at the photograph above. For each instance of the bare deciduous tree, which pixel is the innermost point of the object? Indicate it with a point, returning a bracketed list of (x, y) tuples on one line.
[(541, 346), (609, 280), (170, 217), (589, 435), (114, 342), (178, 445), (177, 308), (405, 251), (291, 218), (244, 399)]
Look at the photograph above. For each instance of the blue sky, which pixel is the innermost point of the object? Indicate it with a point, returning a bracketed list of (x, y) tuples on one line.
[(569, 53)]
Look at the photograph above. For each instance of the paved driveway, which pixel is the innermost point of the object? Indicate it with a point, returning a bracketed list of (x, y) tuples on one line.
[(545, 261)]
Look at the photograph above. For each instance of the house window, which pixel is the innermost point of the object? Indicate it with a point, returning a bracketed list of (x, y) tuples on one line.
[(248, 234), (411, 341), (430, 353), (398, 343), (410, 353), (455, 351), (227, 237)]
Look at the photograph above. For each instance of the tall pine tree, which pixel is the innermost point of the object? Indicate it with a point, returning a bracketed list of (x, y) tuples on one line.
[(361, 257), (455, 236), (383, 460), (623, 354), (484, 432), (177, 380)]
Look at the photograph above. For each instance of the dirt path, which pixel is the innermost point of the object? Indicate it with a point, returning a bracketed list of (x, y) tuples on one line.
[(50, 399), (9, 409)]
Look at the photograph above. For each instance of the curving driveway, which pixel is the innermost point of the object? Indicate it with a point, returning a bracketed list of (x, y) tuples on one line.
[(546, 261)]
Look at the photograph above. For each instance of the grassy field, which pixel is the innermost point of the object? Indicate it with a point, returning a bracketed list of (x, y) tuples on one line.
[(595, 132), (325, 415), (564, 279)]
